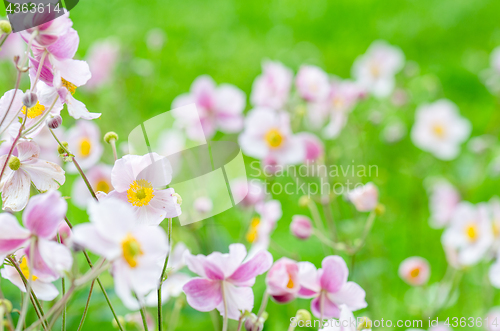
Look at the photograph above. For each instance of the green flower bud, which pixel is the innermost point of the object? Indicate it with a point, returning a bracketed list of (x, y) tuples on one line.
[(5, 26), (61, 150), (179, 199), (303, 315), (108, 137), (366, 323), (14, 163), (380, 209), (7, 305), (304, 201)]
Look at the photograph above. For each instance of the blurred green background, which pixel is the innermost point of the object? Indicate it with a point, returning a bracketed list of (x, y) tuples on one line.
[(450, 40)]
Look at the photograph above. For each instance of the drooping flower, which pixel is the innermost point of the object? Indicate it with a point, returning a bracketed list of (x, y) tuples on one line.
[(268, 133), (137, 180), (439, 129), (42, 217), (42, 286), (376, 69), (364, 198), (248, 192), (415, 271), (102, 58), (469, 234), (301, 227), (99, 177), (282, 280), (313, 146), (261, 227), (443, 201), (49, 28), (135, 250), (24, 169), (225, 280), (329, 287), (172, 286), (84, 141), (272, 88), (312, 83), (219, 107)]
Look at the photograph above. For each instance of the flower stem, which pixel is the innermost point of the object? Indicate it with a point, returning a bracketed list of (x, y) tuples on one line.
[(24, 309), (39, 71), (12, 147), (263, 305), (160, 283), (113, 147), (174, 317), (86, 309), (143, 314), (91, 190), (225, 320), (321, 309)]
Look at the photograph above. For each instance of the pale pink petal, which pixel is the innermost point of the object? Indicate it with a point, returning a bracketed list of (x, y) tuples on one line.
[(43, 214), (113, 218), (43, 290), (28, 151), (56, 256), (203, 294), (12, 235), (334, 273), (309, 281), (351, 294), (86, 235), (45, 175), (77, 109), (257, 265), (322, 303), (228, 263), (238, 299), (200, 265), (16, 190)]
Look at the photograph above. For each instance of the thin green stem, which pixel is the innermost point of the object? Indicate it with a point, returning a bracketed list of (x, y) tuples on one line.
[(24, 309), (113, 147), (143, 314), (174, 317), (263, 305), (12, 147), (86, 309), (169, 234)]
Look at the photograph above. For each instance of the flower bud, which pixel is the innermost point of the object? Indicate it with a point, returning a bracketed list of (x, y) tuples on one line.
[(179, 199), (108, 137), (301, 227), (6, 304), (203, 205), (251, 323), (364, 198), (5, 26), (365, 323), (303, 315), (54, 122), (304, 201), (14, 163), (61, 150), (30, 99), (380, 209)]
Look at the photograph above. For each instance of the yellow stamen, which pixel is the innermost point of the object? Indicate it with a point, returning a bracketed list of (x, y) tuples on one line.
[(415, 272), (496, 228), (338, 102), (290, 282), (102, 186), (274, 138), (439, 130), (471, 232), (85, 146), (34, 111), (140, 193), (69, 86), (375, 70), (253, 231), (25, 269), (131, 250)]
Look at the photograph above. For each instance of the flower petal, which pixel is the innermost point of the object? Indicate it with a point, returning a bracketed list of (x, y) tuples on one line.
[(334, 273), (203, 294), (44, 213), (16, 191), (257, 265), (238, 299), (351, 294)]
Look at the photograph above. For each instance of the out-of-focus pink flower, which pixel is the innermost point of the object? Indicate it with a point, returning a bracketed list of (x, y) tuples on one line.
[(346, 321), (443, 202), (301, 226), (415, 271), (102, 58), (268, 133), (262, 227), (84, 141), (469, 234), (314, 147), (329, 287), (225, 280), (494, 211), (23, 170), (491, 76), (282, 280), (440, 130), (13, 46), (249, 193), (42, 286), (203, 205), (50, 31), (272, 88), (99, 177), (134, 249), (219, 107), (42, 217), (493, 319), (172, 286), (136, 180), (48, 145), (312, 83), (376, 69), (65, 234), (364, 198)]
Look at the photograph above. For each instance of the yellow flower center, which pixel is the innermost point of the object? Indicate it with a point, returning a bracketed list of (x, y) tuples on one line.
[(274, 138), (496, 229), (471, 232), (102, 186), (34, 111), (131, 250), (290, 282), (69, 86), (415, 272), (337, 102), (25, 269), (85, 146), (439, 130), (375, 70), (140, 193), (252, 233)]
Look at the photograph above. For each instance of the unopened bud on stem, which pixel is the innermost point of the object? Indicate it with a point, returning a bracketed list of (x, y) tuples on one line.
[(110, 136), (179, 199), (30, 99), (366, 323), (5, 26), (54, 122), (60, 149), (14, 163), (303, 315), (304, 201)]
